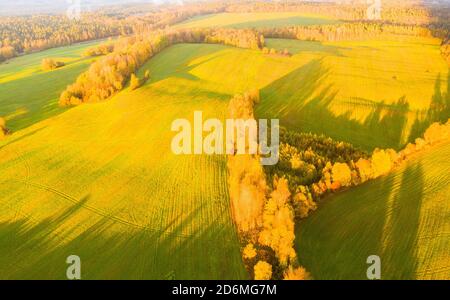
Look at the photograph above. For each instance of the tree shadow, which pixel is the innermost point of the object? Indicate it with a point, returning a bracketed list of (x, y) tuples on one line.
[(335, 241), (438, 111), (302, 103), (110, 250)]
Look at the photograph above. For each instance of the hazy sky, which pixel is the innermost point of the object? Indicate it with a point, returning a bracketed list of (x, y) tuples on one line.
[(8, 7)]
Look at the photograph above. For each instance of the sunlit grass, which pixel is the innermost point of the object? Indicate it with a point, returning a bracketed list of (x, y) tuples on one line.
[(403, 218), (255, 20), (28, 94)]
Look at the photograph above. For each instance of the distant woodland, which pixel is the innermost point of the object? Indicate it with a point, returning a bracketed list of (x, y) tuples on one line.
[(25, 34)]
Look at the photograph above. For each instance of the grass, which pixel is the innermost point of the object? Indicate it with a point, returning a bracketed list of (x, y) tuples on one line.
[(255, 20), (100, 180), (369, 93), (28, 94), (402, 217)]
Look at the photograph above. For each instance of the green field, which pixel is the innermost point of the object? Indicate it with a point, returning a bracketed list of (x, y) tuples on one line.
[(254, 20), (369, 93), (28, 94), (402, 217), (100, 180)]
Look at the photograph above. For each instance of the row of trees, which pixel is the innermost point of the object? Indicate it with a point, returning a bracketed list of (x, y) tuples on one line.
[(314, 165), (264, 216), (345, 31), (21, 35), (109, 74)]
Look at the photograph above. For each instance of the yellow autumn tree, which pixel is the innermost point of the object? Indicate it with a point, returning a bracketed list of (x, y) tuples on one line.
[(278, 220), (263, 270), (381, 163), (365, 171), (299, 273), (341, 173), (303, 203), (249, 251)]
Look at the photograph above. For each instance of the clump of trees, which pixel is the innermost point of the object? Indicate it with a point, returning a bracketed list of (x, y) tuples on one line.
[(49, 64), (99, 50), (3, 130)]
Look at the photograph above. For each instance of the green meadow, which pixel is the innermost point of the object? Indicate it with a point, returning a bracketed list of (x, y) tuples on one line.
[(28, 94), (255, 20), (403, 218)]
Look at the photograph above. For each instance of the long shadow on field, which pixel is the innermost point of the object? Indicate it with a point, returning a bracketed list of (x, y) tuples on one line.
[(335, 241), (302, 103), (439, 110), (180, 66), (36, 95), (112, 250)]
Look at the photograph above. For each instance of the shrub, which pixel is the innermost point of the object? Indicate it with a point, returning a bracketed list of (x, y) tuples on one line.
[(49, 64)]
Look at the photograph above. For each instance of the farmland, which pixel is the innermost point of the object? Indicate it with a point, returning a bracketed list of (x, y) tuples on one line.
[(402, 217), (254, 20), (28, 94)]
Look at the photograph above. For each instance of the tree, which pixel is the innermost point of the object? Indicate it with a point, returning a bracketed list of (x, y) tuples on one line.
[(134, 82), (341, 173), (381, 163), (249, 251), (263, 270)]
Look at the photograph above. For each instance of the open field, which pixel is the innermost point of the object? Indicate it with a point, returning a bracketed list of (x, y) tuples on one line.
[(369, 93), (402, 217), (28, 94), (254, 20)]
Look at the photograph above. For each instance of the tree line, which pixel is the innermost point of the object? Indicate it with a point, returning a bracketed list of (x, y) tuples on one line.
[(345, 31), (110, 73), (26, 34)]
